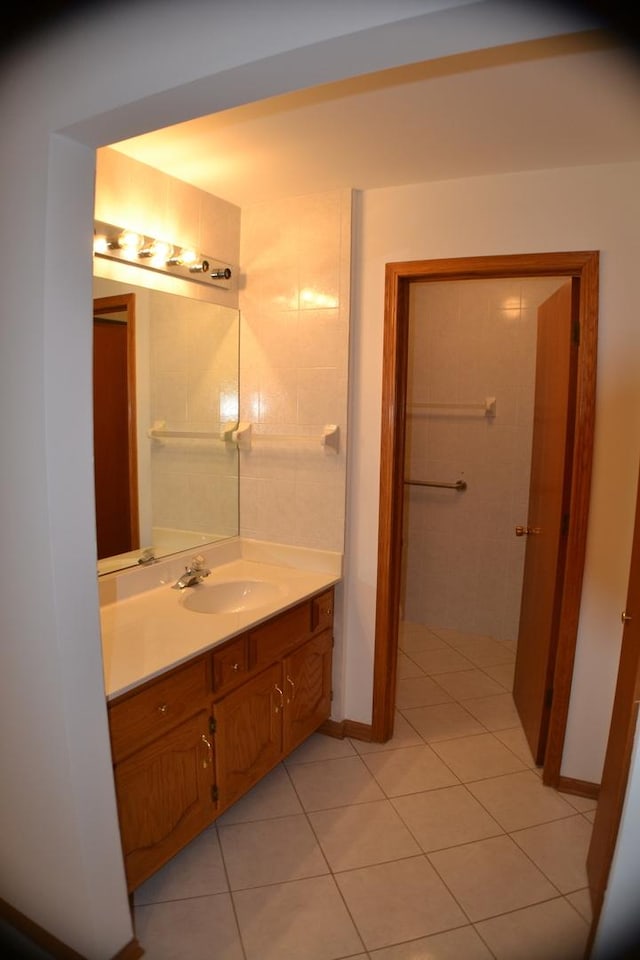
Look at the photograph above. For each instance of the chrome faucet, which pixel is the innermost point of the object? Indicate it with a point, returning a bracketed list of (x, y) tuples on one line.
[(192, 575)]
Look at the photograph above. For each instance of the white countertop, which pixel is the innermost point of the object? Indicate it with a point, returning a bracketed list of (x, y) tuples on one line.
[(145, 634)]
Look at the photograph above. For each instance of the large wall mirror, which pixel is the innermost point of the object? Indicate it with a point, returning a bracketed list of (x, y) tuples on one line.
[(165, 393)]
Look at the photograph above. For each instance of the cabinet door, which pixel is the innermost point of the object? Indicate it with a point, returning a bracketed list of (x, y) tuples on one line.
[(307, 687), (164, 796), (248, 738)]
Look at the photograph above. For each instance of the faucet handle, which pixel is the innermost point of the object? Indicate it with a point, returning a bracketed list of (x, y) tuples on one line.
[(197, 563)]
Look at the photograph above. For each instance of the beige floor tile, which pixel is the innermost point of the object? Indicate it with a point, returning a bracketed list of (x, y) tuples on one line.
[(320, 747), (461, 944), (469, 684), (442, 721), (434, 662), (560, 850), (361, 835), (408, 667), (270, 851), (490, 877), (581, 901), (334, 783), (546, 931), (291, 921), (516, 741), (415, 636), (590, 816), (457, 637), (582, 804), (419, 692), (398, 901), (495, 713), (444, 818), (409, 770), (503, 673), (485, 652), (403, 736), (185, 929), (194, 872), (273, 796), (520, 800), (477, 757)]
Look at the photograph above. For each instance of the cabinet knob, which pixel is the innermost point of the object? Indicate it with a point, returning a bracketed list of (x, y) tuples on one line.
[(235, 666), (163, 708)]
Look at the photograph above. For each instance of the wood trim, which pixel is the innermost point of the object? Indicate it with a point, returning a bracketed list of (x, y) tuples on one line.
[(347, 728), (42, 938), (132, 951), (579, 788), (582, 265)]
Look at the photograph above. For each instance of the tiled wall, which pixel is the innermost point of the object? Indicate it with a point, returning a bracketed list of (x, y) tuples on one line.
[(469, 340), (294, 303)]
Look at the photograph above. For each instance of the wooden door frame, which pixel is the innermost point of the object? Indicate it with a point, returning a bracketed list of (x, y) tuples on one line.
[(582, 265), (125, 303)]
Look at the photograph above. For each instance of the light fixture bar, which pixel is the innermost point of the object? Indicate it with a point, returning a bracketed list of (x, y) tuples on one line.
[(126, 246)]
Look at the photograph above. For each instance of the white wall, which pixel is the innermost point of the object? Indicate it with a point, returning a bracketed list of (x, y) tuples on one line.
[(591, 208), (102, 79)]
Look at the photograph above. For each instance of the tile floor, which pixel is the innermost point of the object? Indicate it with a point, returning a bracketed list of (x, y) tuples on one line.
[(442, 844)]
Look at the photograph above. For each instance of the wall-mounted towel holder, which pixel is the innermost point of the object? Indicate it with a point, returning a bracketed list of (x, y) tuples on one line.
[(488, 406), (244, 436)]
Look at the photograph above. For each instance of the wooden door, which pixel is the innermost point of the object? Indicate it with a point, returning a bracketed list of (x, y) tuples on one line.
[(621, 734), (248, 737), (164, 797), (307, 688), (547, 523), (114, 426)]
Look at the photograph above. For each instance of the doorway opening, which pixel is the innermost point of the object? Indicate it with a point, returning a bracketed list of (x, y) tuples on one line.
[(114, 425), (581, 269)]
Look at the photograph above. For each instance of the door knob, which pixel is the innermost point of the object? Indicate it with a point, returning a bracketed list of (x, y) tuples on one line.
[(526, 531), (624, 616)]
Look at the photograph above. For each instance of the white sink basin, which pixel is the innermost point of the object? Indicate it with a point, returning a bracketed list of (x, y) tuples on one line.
[(232, 596)]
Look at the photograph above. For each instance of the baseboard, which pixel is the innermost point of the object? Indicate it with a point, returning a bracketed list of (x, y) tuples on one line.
[(347, 728), (579, 788), (29, 934)]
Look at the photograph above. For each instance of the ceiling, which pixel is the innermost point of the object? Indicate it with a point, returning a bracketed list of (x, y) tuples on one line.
[(567, 101)]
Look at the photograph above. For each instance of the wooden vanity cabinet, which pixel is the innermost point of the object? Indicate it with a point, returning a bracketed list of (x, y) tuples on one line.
[(163, 768), (268, 716), (189, 744)]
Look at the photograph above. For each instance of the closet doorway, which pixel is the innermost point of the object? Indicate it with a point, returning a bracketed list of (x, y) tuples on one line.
[(406, 285)]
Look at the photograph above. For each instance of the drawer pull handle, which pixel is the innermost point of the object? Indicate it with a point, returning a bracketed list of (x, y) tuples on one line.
[(163, 708), (205, 762)]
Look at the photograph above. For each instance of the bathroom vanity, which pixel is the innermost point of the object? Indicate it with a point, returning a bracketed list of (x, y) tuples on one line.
[(194, 737)]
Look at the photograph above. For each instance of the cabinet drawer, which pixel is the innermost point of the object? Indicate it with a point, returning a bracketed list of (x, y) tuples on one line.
[(322, 612), (230, 664), (157, 708), (269, 641)]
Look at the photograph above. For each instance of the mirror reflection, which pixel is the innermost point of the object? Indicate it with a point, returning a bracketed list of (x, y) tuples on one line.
[(165, 391)]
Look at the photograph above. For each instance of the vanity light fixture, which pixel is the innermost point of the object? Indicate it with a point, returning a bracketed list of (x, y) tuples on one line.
[(127, 246)]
